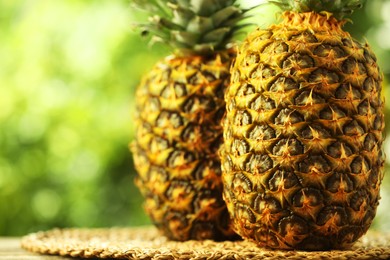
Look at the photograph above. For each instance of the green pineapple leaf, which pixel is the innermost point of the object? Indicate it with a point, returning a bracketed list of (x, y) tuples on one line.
[(339, 8), (193, 26)]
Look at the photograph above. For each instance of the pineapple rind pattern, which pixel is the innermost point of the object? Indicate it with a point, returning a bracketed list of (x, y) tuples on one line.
[(302, 160), (179, 108)]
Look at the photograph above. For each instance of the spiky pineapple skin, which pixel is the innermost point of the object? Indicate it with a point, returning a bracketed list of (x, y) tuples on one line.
[(179, 107), (302, 161)]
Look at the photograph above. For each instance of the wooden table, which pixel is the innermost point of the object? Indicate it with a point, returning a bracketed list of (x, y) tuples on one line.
[(10, 250)]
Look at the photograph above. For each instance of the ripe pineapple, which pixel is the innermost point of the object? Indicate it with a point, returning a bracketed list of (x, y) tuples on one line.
[(302, 160), (179, 107)]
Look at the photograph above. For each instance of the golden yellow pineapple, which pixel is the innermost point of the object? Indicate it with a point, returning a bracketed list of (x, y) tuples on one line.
[(302, 160), (179, 107)]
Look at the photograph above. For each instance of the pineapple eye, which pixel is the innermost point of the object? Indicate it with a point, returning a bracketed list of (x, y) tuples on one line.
[(298, 61), (177, 223), (288, 147), (242, 118), (262, 103), (245, 213), (360, 201), (267, 237), (158, 174), (315, 163), (346, 91), (251, 58), (263, 72), (374, 179), (168, 92), (242, 184), (353, 128), (180, 89), (307, 197), (173, 91), (189, 105), (245, 90), (305, 37), (190, 132), (201, 104), (332, 113), (324, 77), (378, 123), (209, 76), (180, 158), (261, 132), (231, 105), (144, 129), (275, 47), (180, 191), (348, 42), (282, 180), (155, 104), (293, 228), (369, 57), (370, 85), (339, 150), (308, 97), (370, 142), (339, 182), (227, 164), (169, 119), (351, 66), (258, 163), (314, 132), (206, 169), (331, 216), (351, 234), (359, 165), (283, 84), (206, 197), (158, 144), (288, 116), (240, 147), (331, 51), (351, 44), (264, 204), (365, 108)]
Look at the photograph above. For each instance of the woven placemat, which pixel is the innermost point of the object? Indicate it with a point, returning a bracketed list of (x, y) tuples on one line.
[(146, 243)]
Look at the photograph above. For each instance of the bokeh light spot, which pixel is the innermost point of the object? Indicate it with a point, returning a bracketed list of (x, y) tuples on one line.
[(46, 204)]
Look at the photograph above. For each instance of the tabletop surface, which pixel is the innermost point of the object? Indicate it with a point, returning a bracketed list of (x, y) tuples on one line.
[(10, 249)]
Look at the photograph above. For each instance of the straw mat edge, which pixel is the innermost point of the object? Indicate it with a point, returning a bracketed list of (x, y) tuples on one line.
[(146, 243)]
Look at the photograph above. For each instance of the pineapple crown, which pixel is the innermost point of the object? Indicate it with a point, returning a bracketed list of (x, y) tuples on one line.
[(192, 26), (338, 8)]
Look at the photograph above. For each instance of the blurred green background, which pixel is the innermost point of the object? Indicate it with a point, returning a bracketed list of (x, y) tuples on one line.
[(68, 71)]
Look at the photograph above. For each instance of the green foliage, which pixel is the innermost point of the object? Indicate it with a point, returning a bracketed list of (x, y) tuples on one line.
[(68, 71)]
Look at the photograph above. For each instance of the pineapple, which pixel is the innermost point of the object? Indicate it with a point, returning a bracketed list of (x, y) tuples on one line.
[(179, 107), (302, 161)]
